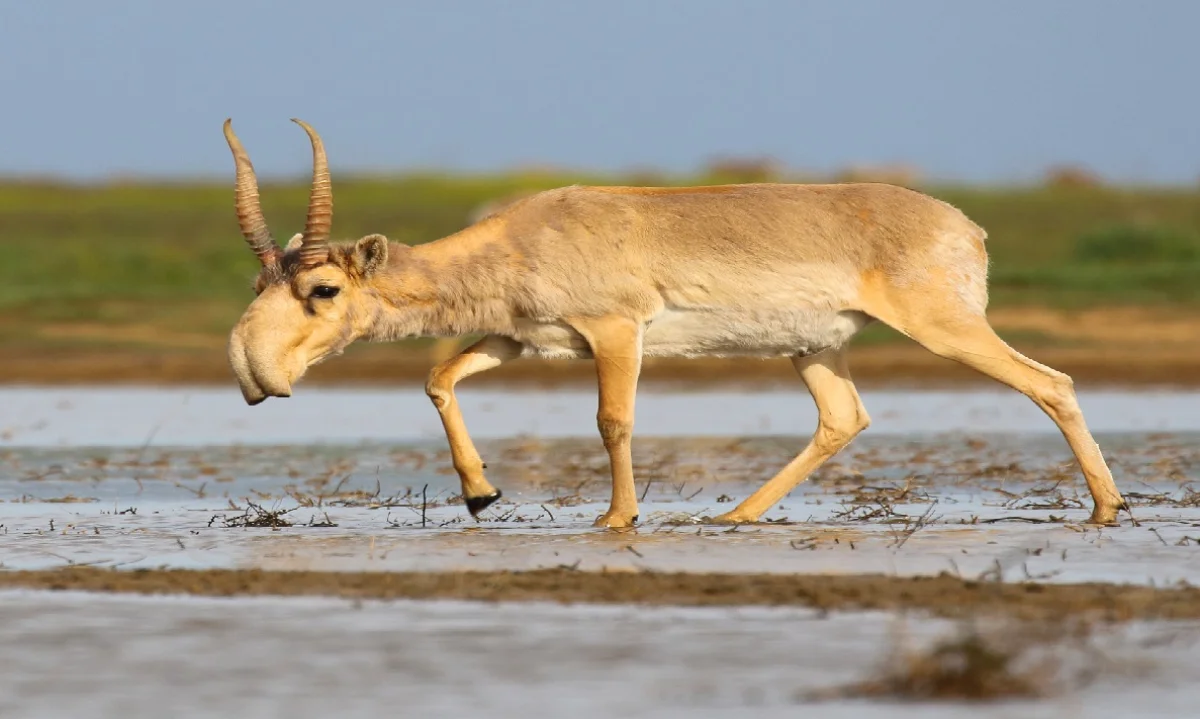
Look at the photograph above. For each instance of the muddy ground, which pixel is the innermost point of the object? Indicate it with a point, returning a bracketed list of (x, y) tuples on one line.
[(379, 520), (319, 577), (893, 365), (942, 596), (87, 654), (1100, 346)]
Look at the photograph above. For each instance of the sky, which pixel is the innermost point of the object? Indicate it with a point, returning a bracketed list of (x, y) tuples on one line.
[(968, 91)]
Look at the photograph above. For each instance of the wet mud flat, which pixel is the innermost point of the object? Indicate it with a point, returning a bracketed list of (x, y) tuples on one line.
[(915, 573), (941, 596), (981, 508)]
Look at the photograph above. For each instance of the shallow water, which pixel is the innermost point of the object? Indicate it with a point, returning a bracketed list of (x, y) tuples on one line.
[(981, 504), (975, 483), (159, 486), (69, 416), (74, 655)]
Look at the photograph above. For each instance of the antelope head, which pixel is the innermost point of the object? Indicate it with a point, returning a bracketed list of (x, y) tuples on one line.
[(313, 298)]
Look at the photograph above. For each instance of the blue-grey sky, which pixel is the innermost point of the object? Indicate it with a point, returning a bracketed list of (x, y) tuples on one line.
[(967, 90)]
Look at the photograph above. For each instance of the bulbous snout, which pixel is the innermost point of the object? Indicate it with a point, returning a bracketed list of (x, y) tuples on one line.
[(259, 375)]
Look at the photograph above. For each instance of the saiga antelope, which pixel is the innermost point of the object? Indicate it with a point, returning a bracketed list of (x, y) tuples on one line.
[(616, 274)]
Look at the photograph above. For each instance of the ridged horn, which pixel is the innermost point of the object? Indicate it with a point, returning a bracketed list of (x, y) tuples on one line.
[(315, 247), (249, 211)]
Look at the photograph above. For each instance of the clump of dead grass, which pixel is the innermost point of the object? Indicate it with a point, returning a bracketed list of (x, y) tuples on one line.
[(254, 515), (1006, 661)]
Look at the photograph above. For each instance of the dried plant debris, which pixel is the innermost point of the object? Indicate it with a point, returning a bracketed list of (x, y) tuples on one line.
[(342, 496), (1186, 498), (1043, 498), (878, 503), (885, 481), (1002, 661), (255, 515), (64, 499)]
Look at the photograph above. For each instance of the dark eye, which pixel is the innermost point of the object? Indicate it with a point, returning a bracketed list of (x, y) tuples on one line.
[(324, 292)]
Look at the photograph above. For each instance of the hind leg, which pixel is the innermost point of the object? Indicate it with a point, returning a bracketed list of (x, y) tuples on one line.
[(840, 417), (968, 338)]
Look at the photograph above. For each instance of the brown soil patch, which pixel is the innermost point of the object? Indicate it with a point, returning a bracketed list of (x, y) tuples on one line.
[(149, 335), (1121, 346), (889, 365), (1104, 326), (943, 595)]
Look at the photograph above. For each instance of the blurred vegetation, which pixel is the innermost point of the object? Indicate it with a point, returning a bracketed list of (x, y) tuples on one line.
[(1134, 244), (154, 263)]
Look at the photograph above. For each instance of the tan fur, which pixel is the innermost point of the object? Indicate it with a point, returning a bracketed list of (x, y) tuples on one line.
[(619, 273)]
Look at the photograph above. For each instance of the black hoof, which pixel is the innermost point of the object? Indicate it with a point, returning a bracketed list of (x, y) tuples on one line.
[(475, 505)]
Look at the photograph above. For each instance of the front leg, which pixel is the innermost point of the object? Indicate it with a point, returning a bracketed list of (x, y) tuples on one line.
[(616, 344), (488, 353)]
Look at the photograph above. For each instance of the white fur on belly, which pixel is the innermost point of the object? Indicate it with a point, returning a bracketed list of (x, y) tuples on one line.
[(550, 340), (711, 333)]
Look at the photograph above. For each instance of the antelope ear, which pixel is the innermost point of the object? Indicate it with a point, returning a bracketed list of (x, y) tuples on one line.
[(370, 255), (295, 242)]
